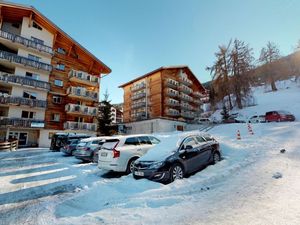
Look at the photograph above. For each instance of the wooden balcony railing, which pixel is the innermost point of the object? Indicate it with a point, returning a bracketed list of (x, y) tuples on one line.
[(26, 42), (22, 80), (11, 57)]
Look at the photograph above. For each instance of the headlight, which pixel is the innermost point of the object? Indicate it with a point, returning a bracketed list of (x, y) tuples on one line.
[(156, 165)]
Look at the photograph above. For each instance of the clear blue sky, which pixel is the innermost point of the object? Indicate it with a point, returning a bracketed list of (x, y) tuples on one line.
[(134, 37)]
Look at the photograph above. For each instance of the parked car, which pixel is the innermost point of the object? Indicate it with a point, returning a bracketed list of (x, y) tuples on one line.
[(59, 140), (279, 116), (257, 119), (119, 153), (70, 146), (177, 156), (87, 148)]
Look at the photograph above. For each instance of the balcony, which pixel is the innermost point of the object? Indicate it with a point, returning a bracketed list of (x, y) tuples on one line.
[(82, 93), (24, 81), (198, 94), (80, 126), (185, 89), (14, 58), (81, 110), (186, 97), (83, 78), (138, 87), (139, 116), (138, 96), (172, 112), (186, 106), (172, 93), (12, 100), (172, 102), (188, 115), (184, 80), (197, 101), (138, 105), (26, 42), (172, 83), (20, 122)]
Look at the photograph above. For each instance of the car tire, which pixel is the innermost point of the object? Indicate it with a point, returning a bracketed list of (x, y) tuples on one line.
[(216, 158), (130, 165), (176, 172)]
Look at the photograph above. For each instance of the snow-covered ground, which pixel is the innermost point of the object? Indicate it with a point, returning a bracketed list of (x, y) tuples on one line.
[(42, 187)]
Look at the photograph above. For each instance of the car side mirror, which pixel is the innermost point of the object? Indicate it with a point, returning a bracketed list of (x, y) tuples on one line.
[(181, 151)]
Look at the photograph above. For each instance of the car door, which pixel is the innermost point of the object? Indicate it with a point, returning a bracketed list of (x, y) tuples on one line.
[(205, 149), (190, 156)]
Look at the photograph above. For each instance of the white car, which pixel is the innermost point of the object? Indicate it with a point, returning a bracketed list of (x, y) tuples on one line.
[(257, 119), (119, 153)]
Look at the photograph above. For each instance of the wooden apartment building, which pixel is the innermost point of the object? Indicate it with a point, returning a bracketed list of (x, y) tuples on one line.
[(172, 93), (48, 81)]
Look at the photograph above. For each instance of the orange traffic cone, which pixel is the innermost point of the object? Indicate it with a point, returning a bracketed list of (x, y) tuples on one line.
[(250, 129), (238, 135)]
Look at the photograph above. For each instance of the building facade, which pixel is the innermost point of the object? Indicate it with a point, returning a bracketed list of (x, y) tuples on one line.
[(48, 82), (117, 113), (170, 93)]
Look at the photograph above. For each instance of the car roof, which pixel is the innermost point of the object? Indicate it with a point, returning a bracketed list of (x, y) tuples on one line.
[(94, 138)]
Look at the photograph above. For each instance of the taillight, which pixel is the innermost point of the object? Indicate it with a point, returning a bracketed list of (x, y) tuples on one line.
[(116, 153)]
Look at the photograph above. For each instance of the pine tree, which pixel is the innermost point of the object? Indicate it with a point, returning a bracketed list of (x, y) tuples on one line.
[(104, 116)]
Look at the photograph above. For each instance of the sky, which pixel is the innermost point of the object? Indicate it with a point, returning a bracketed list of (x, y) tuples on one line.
[(134, 37)]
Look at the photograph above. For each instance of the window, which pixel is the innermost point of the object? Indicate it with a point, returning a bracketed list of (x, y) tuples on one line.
[(36, 26), (132, 141), (34, 57), (145, 140), (60, 67), (28, 115), (38, 41), (57, 99), (96, 142), (154, 140), (190, 141), (31, 95), (79, 119), (32, 75), (200, 139), (55, 117), (59, 83), (61, 51)]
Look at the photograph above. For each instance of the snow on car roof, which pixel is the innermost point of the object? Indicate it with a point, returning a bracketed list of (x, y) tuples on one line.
[(94, 138), (168, 144)]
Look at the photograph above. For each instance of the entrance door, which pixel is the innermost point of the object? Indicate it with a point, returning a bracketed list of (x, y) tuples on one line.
[(21, 136)]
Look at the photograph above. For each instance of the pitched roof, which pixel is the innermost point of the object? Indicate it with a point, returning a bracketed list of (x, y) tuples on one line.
[(15, 10)]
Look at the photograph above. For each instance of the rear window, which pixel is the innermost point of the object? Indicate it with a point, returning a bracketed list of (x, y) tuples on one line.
[(109, 144), (145, 140), (200, 139), (132, 141), (208, 138)]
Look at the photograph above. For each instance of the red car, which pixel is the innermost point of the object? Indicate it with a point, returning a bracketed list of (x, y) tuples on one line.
[(278, 116)]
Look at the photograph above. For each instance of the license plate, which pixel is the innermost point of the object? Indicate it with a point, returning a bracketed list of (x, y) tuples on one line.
[(138, 173), (104, 154)]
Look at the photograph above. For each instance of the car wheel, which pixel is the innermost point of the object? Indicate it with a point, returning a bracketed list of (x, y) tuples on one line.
[(130, 165), (176, 172), (216, 157)]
